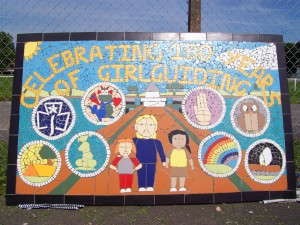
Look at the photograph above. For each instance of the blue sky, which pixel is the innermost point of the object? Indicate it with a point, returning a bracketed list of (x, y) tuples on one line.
[(237, 16)]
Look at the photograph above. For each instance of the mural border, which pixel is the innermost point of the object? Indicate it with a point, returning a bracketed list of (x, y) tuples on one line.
[(13, 199)]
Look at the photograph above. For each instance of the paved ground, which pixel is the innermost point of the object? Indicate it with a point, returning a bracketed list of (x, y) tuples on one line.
[(238, 213), (4, 120), (295, 110)]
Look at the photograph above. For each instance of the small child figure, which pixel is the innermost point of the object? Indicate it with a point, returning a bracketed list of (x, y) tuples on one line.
[(178, 158), (125, 165)]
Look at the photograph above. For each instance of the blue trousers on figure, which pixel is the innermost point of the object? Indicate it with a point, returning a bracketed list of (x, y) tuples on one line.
[(146, 175)]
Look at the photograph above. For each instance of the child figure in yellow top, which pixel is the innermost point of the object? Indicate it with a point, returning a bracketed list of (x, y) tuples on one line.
[(178, 159)]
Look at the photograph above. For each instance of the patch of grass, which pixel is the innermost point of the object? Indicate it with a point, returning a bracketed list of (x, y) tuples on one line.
[(297, 155), (294, 89), (3, 166), (6, 84)]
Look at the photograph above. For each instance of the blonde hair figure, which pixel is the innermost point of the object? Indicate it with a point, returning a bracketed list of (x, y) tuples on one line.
[(147, 147)]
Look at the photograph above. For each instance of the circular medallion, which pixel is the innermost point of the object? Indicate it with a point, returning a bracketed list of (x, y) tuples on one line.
[(219, 154), (103, 103), (38, 163), (203, 107), (265, 161), (250, 116), (87, 154), (53, 117)]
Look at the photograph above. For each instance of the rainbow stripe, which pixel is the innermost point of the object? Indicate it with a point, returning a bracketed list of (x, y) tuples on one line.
[(222, 151)]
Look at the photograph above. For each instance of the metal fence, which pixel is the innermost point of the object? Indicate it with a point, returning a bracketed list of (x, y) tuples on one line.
[(234, 16)]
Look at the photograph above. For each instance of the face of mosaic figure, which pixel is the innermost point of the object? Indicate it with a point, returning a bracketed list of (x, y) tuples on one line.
[(146, 127), (105, 97), (179, 141), (125, 149)]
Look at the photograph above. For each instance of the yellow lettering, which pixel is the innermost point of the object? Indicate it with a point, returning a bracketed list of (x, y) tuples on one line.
[(184, 80), (41, 78), (137, 51), (67, 58), (28, 105), (175, 75), (258, 74), (242, 91), (129, 72), (59, 90), (125, 52), (214, 78), (79, 51), (32, 87), (118, 73), (267, 80), (100, 75), (191, 51), (151, 52), (73, 79), (233, 58), (141, 75), (177, 56), (154, 71), (227, 77), (111, 49), (196, 79), (244, 63), (209, 53), (53, 65), (95, 52)]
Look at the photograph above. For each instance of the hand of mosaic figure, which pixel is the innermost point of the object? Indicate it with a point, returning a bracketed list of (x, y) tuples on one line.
[(202, 111)]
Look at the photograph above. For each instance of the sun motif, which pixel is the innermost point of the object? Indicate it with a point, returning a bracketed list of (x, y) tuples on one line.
[(31, 49)]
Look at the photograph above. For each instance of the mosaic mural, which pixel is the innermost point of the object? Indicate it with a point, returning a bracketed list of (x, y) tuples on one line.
[(115, 118)]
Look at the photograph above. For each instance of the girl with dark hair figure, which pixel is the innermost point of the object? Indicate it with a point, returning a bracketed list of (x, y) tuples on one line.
[(178, 158)]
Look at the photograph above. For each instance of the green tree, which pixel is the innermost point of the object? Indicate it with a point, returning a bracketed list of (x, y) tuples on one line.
[(292, 56), (7, 52)]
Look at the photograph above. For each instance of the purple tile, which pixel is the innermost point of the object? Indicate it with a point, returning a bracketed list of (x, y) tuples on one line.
[(169, 199), (227, 197), (83, 36), (29, 37), (19, 199), (270, 38), (199, 198), (56, 37), (282, 194), (17, 84), (139, 200), (138, 36), (111, 36), (81, 200), (254, 196), (109, 200), (12, 149), (19, 55), (49, 199), (245, 37)]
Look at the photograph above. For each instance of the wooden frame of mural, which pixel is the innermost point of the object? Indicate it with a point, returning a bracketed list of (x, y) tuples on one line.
[(149, 119)]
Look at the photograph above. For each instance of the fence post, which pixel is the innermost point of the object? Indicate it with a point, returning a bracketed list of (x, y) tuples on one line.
[(194, 16)]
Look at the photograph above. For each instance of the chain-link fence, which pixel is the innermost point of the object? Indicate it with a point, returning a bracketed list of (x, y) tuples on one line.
[(234, 16)]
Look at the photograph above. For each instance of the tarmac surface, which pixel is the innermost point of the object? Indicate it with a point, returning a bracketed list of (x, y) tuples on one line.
[(235, 213)]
